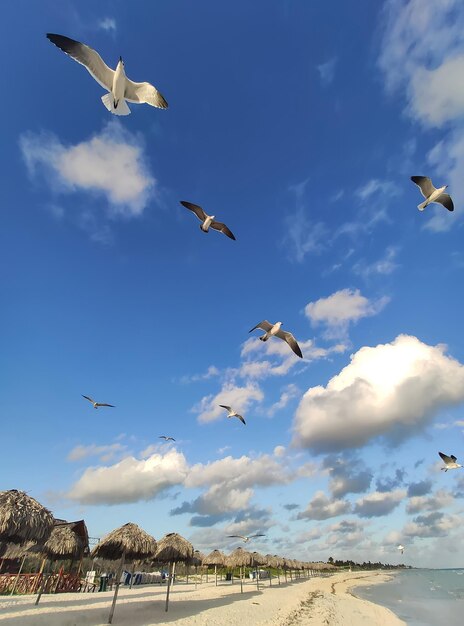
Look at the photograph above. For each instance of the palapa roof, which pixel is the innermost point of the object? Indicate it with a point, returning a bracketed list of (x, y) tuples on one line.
[(129, 540), (172, 547), (216, 557), (258, 559), (22, 518), (272, 561), (197, 558), (238, 557), (80, 528), (63, 543)]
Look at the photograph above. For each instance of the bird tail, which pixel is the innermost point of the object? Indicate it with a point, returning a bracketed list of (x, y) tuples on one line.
[(121, 109), (263, 338), (422, 205)]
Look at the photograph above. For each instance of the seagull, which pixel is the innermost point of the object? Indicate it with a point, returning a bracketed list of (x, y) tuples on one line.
[(274, 329), (97, 404), (115, 81), (431, 194), (207, 221), (232, 413), (449, 461), (400, 547), (245, 538), (166, 438)]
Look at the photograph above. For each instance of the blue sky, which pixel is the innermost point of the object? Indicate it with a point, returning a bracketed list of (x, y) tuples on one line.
[(298, 124)]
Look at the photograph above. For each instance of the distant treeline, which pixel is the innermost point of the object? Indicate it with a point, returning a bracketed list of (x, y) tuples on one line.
[(367, 565)]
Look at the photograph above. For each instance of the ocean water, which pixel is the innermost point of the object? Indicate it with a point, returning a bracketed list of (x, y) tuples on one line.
[(421, 597)]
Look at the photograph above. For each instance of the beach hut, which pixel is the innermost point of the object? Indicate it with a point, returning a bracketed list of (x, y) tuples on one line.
[(62, 544), (216, 557), (173, 548), (127, 543), (23, 519), (239, 558)]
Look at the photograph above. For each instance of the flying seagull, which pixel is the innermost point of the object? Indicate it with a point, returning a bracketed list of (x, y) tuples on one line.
[(245, 538), (432, 194), (166, 438), (401, 548), (271, 330), (449, 461), (207, 221), (97, 404), (232, 413), (120, 88)]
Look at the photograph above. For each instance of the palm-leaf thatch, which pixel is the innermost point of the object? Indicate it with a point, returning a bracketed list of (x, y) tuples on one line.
[(63, 543), (129, 540), (238, 558), (23, 519), (216, 557), (173, 548)]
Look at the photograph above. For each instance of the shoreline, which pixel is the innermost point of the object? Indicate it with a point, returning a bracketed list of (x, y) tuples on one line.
[(315, 601)]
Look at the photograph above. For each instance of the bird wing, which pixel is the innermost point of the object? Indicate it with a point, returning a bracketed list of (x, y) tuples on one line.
[(264, 325), (292, 342), (170, 439), (196, 209), (144, 93), (86, 56), (445, 200), (162, 437), (454, 458), (425, 185), (257, 535), (224, 406), (87, 398), (104, 404), (222, 228), (240, 418), (236, 536), (446, 459)]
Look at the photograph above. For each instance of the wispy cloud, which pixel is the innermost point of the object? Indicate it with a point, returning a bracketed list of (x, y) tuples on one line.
[(327, 71), (381, 267), (108, 24)]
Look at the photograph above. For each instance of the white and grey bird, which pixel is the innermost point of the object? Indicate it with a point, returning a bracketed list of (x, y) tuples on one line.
[(120, 87), (274, 330), (207, 221), (166, 438), (449, 461), (245, 538), (401, 548), (97, 404), (232, 413), (432, 194)]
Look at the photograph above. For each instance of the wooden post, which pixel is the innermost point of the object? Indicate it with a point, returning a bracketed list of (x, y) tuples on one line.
[(257, 577), (241, 579), (215, 573), (118, 582), (171, 574), (44, 580), (18, 575), (270, 577), (132, 575)]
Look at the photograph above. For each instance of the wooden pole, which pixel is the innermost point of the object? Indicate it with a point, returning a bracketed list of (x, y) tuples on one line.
[(171, 574), (44, 581), (132, 575), (215, 573), (257, 577), (270, 577), (18, 575), (118, 582), (241, 579)]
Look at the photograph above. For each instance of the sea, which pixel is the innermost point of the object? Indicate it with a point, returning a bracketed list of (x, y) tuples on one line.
[(421, 597)]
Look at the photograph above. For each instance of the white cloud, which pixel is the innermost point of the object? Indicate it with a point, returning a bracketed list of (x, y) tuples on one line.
[(111, 164), (108, 24), (341, 308), (375, 186), (382, 267), (378, 503), (130, 480), (438, 500), (211, 372), (321, 507), (239, 398), (327, 71), (289, 393), (106, 452), (392, 390)]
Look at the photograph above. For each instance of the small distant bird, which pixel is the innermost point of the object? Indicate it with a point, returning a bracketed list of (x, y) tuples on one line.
[(207, 221), (432, 194), (166, 438), (273, 330), (246, 539), (232, 413), (116, 82), (449, 461), (97, 404), (401, 548)]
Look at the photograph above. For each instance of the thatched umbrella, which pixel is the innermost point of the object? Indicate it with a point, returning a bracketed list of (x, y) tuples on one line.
[(171, 549), (216, 557), (272, 561), (23, 519), (239, 558), (63, 543), (128, 542), (196, 561), (257, 560)]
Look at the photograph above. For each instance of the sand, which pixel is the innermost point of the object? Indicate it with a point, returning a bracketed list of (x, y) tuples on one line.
[(316, 601)]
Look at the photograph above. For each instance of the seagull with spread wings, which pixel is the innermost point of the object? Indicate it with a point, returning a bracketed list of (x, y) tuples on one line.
[(166, 438), (97, 404), (232, 413), (401, 548), (449, 461), (207, 221), (120, 87), (432, 194), (274, 330), (246, 539)]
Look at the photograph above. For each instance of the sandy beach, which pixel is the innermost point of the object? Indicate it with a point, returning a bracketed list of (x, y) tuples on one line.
[(317, 601)]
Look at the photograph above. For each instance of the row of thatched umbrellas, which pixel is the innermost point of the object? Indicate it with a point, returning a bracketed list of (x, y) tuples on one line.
[(26, 523)]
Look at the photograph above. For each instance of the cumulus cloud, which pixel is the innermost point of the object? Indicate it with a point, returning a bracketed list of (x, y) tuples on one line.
[(392, 482), (391, 390), (420, 503), (434, 524), (240, 398), (347, 476), (130, 480), (341, 309), (105, 452), (377, 504), (321, 507), (217, 501), (421, 488), (111, 164)]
